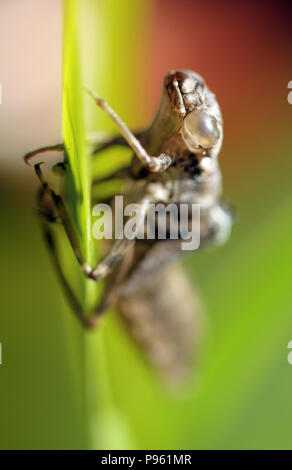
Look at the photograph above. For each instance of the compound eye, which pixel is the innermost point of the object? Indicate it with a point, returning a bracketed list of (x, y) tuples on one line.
[(200, 129)]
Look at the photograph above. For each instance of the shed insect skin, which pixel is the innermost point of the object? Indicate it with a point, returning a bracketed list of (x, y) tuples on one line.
[(175, 161)]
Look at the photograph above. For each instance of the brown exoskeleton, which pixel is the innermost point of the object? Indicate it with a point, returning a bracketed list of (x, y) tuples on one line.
[(175, 160)]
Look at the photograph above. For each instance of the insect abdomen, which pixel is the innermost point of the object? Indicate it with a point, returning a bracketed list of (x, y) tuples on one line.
[(163, 316)]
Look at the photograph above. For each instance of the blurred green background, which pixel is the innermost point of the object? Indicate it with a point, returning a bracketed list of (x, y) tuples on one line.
[(63, 389)]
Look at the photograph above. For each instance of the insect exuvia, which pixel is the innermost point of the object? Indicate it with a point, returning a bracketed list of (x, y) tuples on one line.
[(175, 160)]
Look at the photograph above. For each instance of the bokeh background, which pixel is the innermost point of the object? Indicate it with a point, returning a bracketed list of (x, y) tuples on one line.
[(50, 396)]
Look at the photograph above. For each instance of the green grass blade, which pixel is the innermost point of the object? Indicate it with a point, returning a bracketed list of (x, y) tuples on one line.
[(78, 178), (99, 53)]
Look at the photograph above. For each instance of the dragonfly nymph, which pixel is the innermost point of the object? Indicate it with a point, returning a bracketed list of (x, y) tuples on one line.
[(175, 160)]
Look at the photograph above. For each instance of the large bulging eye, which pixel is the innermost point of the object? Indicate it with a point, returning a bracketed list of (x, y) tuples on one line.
[(200, 129)]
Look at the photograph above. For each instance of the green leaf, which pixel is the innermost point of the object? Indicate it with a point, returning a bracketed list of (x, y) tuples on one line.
[(77, 152), (99, 53)]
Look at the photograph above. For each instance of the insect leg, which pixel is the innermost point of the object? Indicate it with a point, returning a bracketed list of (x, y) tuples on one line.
[(48, 148), (157, 164), (105, 143), (120, 247), (103, 268), (64, 216), (74, 302), (88, 321), (47, 218), (101, 144)]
